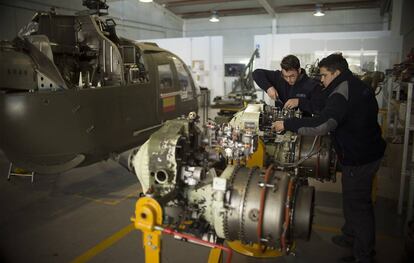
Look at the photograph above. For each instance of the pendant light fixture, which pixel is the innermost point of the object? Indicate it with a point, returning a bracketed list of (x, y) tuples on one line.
[(214, 17), (319, 10)]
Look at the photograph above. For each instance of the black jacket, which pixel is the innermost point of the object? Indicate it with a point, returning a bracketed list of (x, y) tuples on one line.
[(304, 89), (350, 115)]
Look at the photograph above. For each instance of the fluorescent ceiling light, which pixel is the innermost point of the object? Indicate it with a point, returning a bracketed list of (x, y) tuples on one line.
[(318, 10), (146, 1), (214, 17)]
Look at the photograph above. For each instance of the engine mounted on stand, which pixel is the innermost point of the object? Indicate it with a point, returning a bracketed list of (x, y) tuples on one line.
[(212, 183), (310, 156)]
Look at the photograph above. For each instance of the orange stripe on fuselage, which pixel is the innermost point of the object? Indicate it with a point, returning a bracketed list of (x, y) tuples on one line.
[(168, 104)]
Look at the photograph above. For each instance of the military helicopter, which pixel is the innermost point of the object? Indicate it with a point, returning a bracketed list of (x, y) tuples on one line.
[(73, 93)]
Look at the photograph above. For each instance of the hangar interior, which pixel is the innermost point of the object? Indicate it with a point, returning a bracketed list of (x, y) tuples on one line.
[(85, 209)]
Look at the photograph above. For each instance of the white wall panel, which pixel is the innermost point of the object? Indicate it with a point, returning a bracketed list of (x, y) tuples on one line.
[(195, 51), (238, 32), (387, 46), (217, 66), (306, 45), (342, 44)]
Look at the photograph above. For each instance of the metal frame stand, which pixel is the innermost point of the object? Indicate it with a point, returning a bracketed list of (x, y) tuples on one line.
[(405, 172), (393, 105), (148, 219), (23, 173)]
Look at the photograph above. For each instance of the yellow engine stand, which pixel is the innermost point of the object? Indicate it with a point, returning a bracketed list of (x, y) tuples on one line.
[(258, 157), (148, 214), (215, 256)]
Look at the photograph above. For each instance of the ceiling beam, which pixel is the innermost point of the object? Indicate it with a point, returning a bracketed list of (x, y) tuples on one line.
[(284, 9), (329, 6), (267, 7), (169, 3), (224, 12)]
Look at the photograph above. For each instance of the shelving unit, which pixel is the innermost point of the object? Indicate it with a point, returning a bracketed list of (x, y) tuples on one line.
[(393, 105), (407, 166), (395, 123)]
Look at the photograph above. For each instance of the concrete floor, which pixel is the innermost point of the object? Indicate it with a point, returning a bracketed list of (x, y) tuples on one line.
[(84, 216), (59, 218)]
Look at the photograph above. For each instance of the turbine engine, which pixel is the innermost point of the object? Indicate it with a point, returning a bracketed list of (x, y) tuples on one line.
[(209, 177)]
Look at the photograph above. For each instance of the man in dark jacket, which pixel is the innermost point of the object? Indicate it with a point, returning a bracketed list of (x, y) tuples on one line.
[(350, 116), (290, 87)]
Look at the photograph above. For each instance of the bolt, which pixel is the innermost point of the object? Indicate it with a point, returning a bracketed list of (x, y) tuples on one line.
[(266, 185)]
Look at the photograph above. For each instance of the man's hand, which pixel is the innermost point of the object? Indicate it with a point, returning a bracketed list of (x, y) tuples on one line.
[(291, 103), (278, 126), (272, 92)]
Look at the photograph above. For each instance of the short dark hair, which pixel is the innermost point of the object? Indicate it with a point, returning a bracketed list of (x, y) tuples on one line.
[(290, 62), (334, 62)]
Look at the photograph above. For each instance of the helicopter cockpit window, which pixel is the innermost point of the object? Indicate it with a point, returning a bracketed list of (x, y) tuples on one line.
[(128, 54), (135, 68), (183, 79), (165, 76)]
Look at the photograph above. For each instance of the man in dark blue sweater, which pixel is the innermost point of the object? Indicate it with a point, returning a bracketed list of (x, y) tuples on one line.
[(290, 87), (350, 116)]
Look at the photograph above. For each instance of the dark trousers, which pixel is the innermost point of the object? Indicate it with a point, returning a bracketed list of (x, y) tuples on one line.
[(358, 210)]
